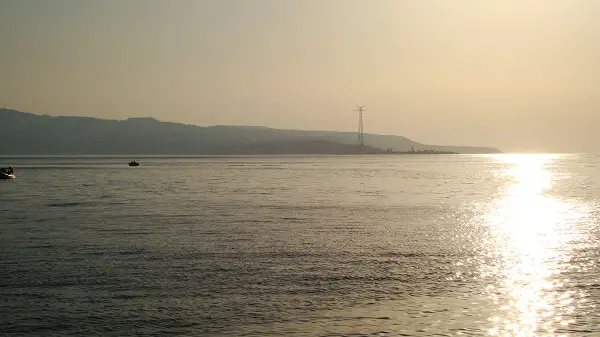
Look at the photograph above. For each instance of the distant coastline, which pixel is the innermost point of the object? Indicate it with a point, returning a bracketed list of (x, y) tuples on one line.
[(32, 134)]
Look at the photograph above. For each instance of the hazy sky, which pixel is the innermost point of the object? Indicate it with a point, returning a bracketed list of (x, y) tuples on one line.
[(514, 74)]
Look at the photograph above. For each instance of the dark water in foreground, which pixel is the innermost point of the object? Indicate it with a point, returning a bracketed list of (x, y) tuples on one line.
[(306, 246)]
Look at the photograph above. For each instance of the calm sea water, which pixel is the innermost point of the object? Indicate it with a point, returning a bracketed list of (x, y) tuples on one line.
[(304, 246)]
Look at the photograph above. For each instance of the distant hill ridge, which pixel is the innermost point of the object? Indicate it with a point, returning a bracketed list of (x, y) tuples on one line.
[(27, 133)]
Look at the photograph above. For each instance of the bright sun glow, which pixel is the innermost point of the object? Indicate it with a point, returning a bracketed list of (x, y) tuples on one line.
[(530, 229)]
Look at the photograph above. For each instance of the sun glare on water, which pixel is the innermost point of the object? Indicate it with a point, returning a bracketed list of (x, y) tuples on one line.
[(530, 235)]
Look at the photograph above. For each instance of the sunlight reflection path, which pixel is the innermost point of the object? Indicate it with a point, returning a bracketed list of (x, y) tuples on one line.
[(531, 232)]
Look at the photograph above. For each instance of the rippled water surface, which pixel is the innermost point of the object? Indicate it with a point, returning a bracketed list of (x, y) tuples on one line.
[(415, 245)]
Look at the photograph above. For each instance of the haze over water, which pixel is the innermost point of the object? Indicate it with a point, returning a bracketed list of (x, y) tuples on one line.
[(302, 246), (518, 75)]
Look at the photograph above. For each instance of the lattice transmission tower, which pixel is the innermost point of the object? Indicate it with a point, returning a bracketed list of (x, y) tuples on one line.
[(361, 136)]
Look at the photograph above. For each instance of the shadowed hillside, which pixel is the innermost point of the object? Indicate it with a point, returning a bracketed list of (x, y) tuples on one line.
[(27, 133)]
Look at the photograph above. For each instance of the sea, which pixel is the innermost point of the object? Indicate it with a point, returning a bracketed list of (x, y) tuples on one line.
[(380, 245)]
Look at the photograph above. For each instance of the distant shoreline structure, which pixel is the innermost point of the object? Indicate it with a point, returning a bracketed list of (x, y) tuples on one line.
[(412, 151), (421, 152)]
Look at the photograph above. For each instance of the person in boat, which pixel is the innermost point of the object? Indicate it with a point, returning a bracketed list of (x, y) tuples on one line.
[(10, 170)]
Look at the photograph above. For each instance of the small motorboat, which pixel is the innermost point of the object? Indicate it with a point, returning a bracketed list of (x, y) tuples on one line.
[(7, 173), (134, 163)]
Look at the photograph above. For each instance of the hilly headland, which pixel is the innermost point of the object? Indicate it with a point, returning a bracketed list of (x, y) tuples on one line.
[(24, 133)]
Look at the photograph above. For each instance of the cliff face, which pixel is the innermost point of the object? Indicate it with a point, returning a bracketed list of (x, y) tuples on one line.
[(26, 133)]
